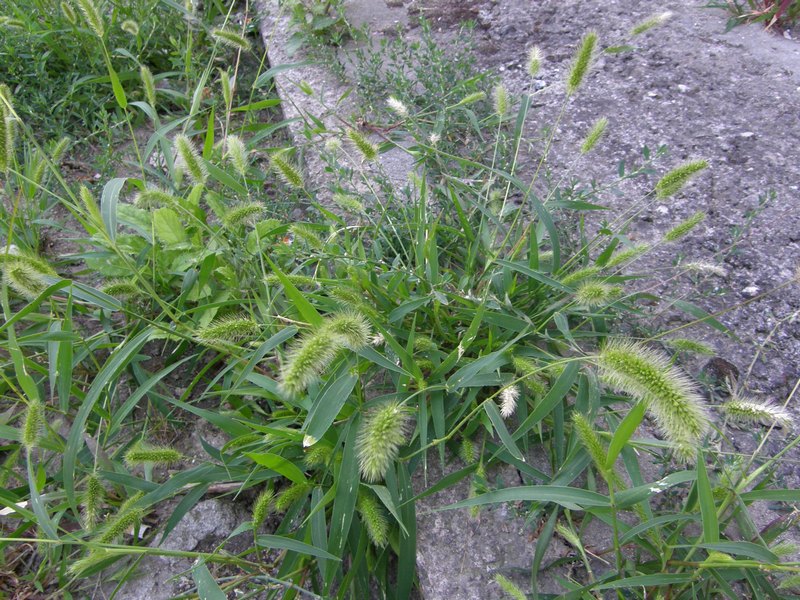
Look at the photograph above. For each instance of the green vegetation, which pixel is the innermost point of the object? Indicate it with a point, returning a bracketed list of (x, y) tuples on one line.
[(469, 311), (772, 13)]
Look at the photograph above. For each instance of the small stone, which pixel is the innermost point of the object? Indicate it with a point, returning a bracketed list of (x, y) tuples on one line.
[(750, 291), (683, 88), (747, 135), (662, 209)]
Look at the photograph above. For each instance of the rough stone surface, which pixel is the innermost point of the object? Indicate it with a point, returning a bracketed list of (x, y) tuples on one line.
[(202, 529)]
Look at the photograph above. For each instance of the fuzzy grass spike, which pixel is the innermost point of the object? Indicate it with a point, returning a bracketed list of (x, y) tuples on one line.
[(382, 432), (668, 394)]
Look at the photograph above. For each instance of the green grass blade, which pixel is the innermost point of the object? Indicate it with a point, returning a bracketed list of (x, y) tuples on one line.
[(705, 497), (623, 433), (207, 588)]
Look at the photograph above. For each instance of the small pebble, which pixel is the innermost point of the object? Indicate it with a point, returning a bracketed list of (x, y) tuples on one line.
[(750, 291)]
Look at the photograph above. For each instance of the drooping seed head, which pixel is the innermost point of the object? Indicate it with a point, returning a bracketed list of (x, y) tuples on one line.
[(705, 268), (290, 495), (125, 289), (352, 329), (232, 39), (189, 160), (748, 412), (508, 401), (229, 330), (671, 183), (142, 453), (650, 22), (593, 294), (627, 254), (374, 518), (226, 83), (128, 516), (471, 99), (130, 27), (348, 203), (153, 198), (307, 360), (246, 213), (367, 149), (581, 62), (590, 440), (509, 587), (25, 276), (580, 275), (684, 227), (594, 135), (668, 394), (382, 432), (466, 451), (286, 171), (397, 107), (690, 346)]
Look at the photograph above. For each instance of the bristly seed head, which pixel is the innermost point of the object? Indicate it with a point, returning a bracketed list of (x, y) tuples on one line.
[(671, 183), (581, 62), (374, 519), (352, 329), (651, 22), (367, 149), (535, 58), (32, 425), (397, 107), (382, 432), (508, 401), (594, 135), (669, 396), (500, 96), (286, 171), (231, 39), (237, 153), (747, 411), (246, 213), (309, 357), (593, 294), (229, 330), (189, 159), (92, 16), (262, 507), (141, 453), (683, 228)]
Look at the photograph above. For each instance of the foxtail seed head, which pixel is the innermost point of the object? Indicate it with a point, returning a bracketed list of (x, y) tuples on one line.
[(237, 153), (92, 501), (581, 62), (226, 84), (122, 288), (290, 495), (231, 39), (130, 27), (307, 360), (668, 394), (352, 329), (593, 294), (383, 431), (25, 274), (590, 440), (148, 84), (397, 107), (500, 97), (153, 198), (509, 587), (262, 507), (231, 330), (627, 254), (580, 275), (246, 213), (705, 268), (535, 58), (374, 519), (747, 411), (594, 135), (189, 160), (508, 401), (470, 99), (286, 171), (683, 228), (92, 16), (690, 346), (128, 516), (366, 148), (671, 183), (651, 22), (466, 451), (69, 13), (348, 203), (141, 453), (32, 425)]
